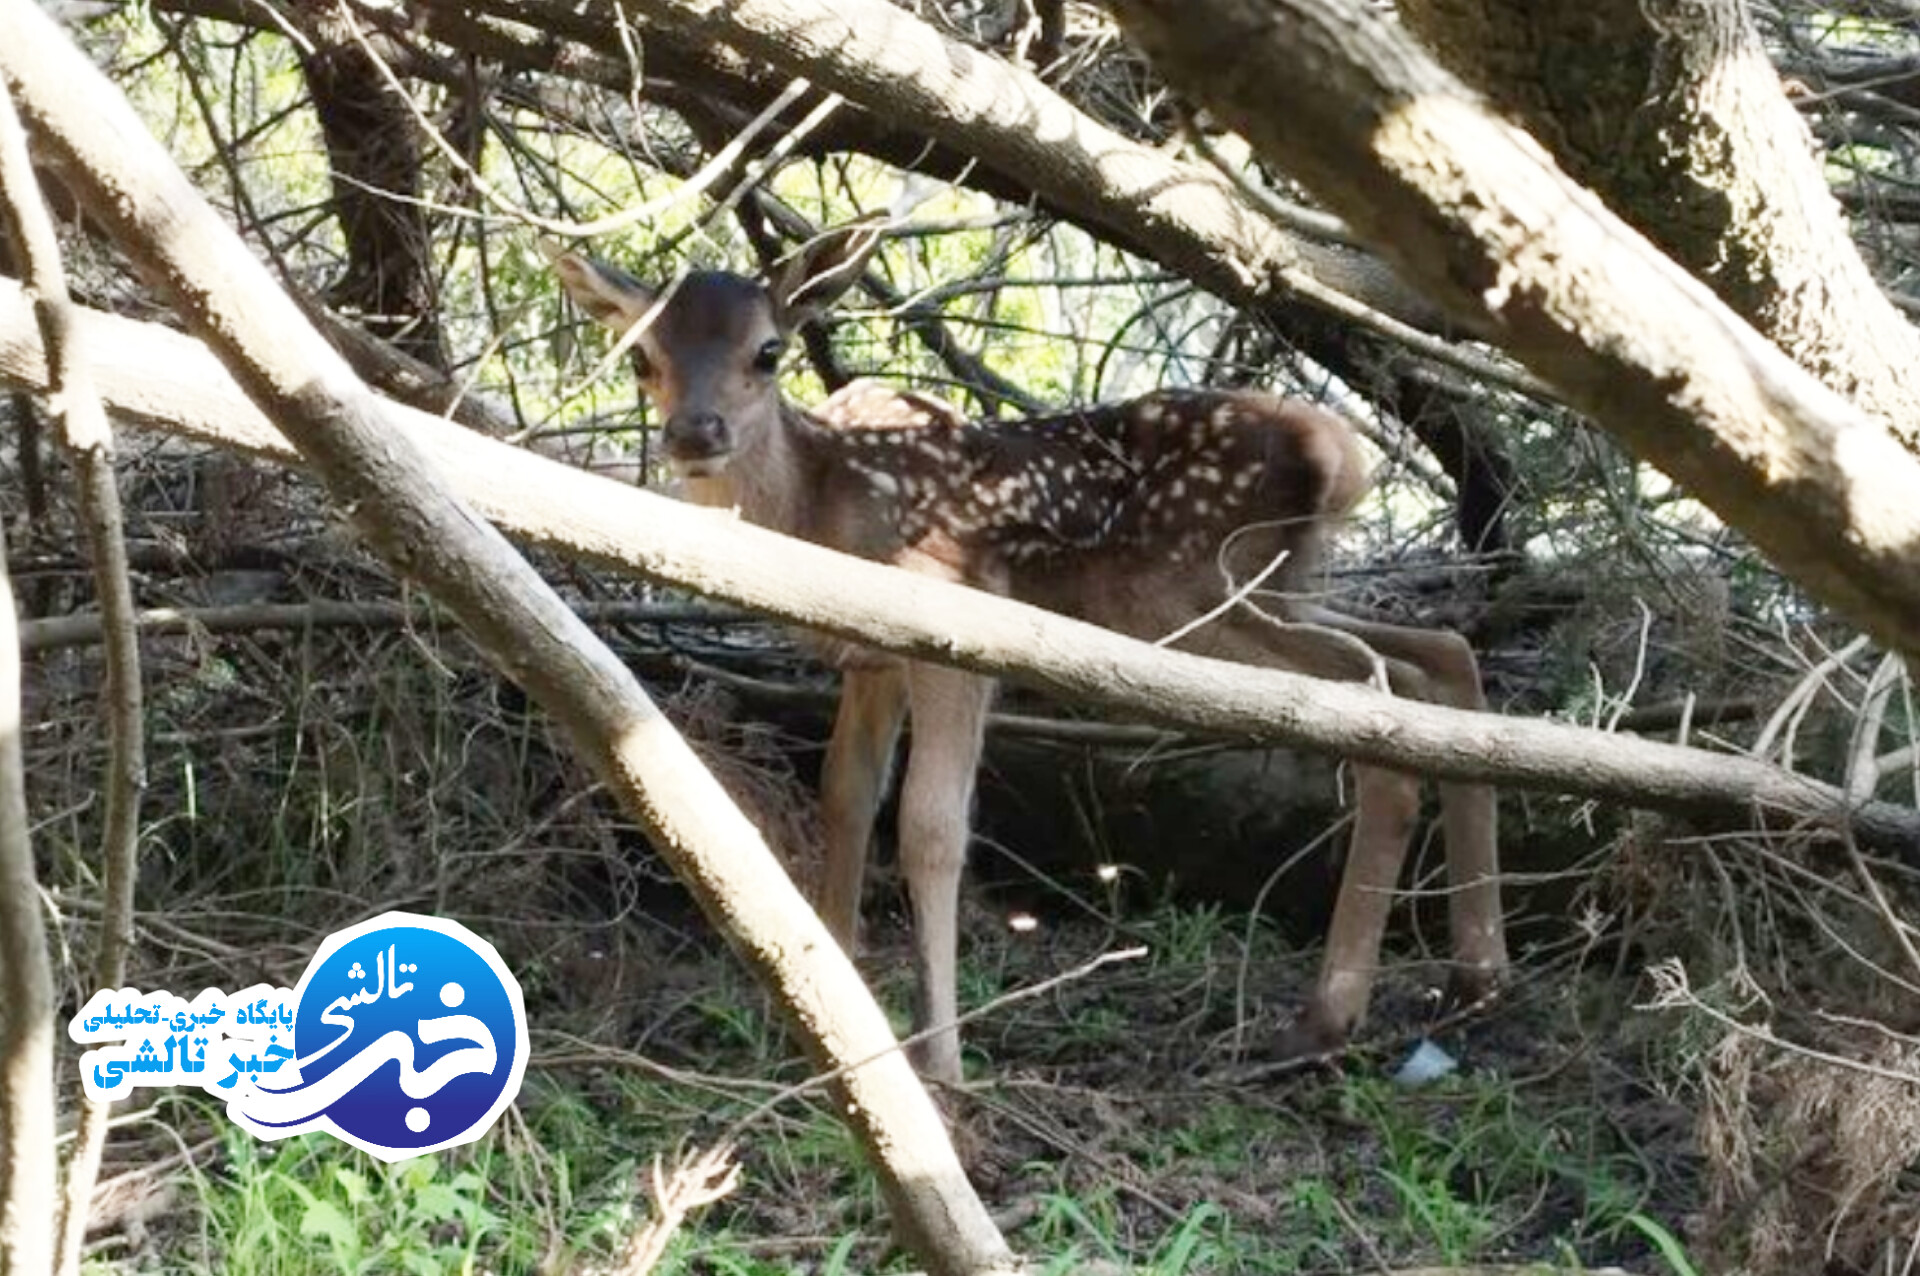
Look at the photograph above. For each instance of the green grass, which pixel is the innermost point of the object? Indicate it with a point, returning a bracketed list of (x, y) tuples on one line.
[(1463, 1157), (1125, 1164), (556, 1184)]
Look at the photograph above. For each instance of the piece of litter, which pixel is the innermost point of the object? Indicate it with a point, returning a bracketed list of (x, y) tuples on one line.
[(1427, 1063)]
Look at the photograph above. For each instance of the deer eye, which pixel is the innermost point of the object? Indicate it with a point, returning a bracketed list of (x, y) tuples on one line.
[(767, 357)]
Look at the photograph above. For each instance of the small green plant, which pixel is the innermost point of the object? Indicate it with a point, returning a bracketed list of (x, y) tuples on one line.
[(1190, 936), (1196, 1244), (1457, 1156), (313, 1204), (409, 1217), (1664, 1242), (1316, 1209)]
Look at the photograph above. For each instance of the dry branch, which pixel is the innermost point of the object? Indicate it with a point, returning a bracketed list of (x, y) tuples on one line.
[(411, 517), (28, 1170), (902, 70), (89, 443), (1474, 211), (162, 379), (84, 628)]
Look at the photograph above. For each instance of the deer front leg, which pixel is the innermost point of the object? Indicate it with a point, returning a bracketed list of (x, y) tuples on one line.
[(853, 781), (1386, 804), (949, 718)]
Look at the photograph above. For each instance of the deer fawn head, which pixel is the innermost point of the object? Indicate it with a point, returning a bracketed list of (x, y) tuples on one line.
[(708, 350)]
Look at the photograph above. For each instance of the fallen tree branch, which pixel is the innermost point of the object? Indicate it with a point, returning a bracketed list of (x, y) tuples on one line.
[(84, 629), (410, 515), (1472, 210), (54, 632), (165, 380)]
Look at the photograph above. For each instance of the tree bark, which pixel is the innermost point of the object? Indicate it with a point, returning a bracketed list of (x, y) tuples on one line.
[(29, 1171), (373, 148), (168, 381), (409, 516), (1470, 207), (1672, 112)]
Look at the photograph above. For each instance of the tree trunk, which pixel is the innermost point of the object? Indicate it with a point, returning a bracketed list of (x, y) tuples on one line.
[(373, 147), (1671, 111)]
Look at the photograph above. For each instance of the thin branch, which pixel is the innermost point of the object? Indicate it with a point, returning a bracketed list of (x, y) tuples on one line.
[(83, 429), (1672, 991), (55, 632), (28, 1170), (721, 163), (1862, 778), (698, 1180)]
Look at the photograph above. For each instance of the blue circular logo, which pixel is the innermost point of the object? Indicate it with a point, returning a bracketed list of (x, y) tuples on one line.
[(409, 1035)]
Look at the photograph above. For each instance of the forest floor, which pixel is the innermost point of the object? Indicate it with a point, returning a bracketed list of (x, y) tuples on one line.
[(1122, 1117), (1119, 1121)]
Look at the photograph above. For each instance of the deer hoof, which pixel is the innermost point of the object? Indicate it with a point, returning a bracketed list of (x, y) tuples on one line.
[(1471, 986), (1312, 1035)]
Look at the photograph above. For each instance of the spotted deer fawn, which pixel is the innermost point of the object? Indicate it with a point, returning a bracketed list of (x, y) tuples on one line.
[(1139, 516)]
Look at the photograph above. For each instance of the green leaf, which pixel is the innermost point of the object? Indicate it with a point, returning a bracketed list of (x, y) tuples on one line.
[(324, 1218), (1665, 1242), (354, 1184), (438, 1202)]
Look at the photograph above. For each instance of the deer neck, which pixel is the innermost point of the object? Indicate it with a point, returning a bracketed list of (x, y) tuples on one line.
[(774, 479)]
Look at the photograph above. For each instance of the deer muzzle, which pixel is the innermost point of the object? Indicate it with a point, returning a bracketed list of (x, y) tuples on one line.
[(698, 443)]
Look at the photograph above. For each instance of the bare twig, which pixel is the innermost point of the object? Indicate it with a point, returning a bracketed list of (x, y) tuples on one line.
[(1862, 777), (1673, 991), (1796, 702), (76, 631), (698, 1180), (715, 168)]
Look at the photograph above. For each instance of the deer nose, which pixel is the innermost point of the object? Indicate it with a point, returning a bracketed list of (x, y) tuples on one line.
[(693, 436)]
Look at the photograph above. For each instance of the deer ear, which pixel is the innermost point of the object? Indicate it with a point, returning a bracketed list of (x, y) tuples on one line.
[(610, 295), (817, 273)]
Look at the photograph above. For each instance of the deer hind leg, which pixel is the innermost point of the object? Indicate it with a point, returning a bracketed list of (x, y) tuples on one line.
[(949, 711), (1448, 674), (1418, 663), (853, 781)]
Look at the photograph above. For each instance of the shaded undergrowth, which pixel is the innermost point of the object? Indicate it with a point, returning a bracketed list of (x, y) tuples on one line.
[(1125, 1117)]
